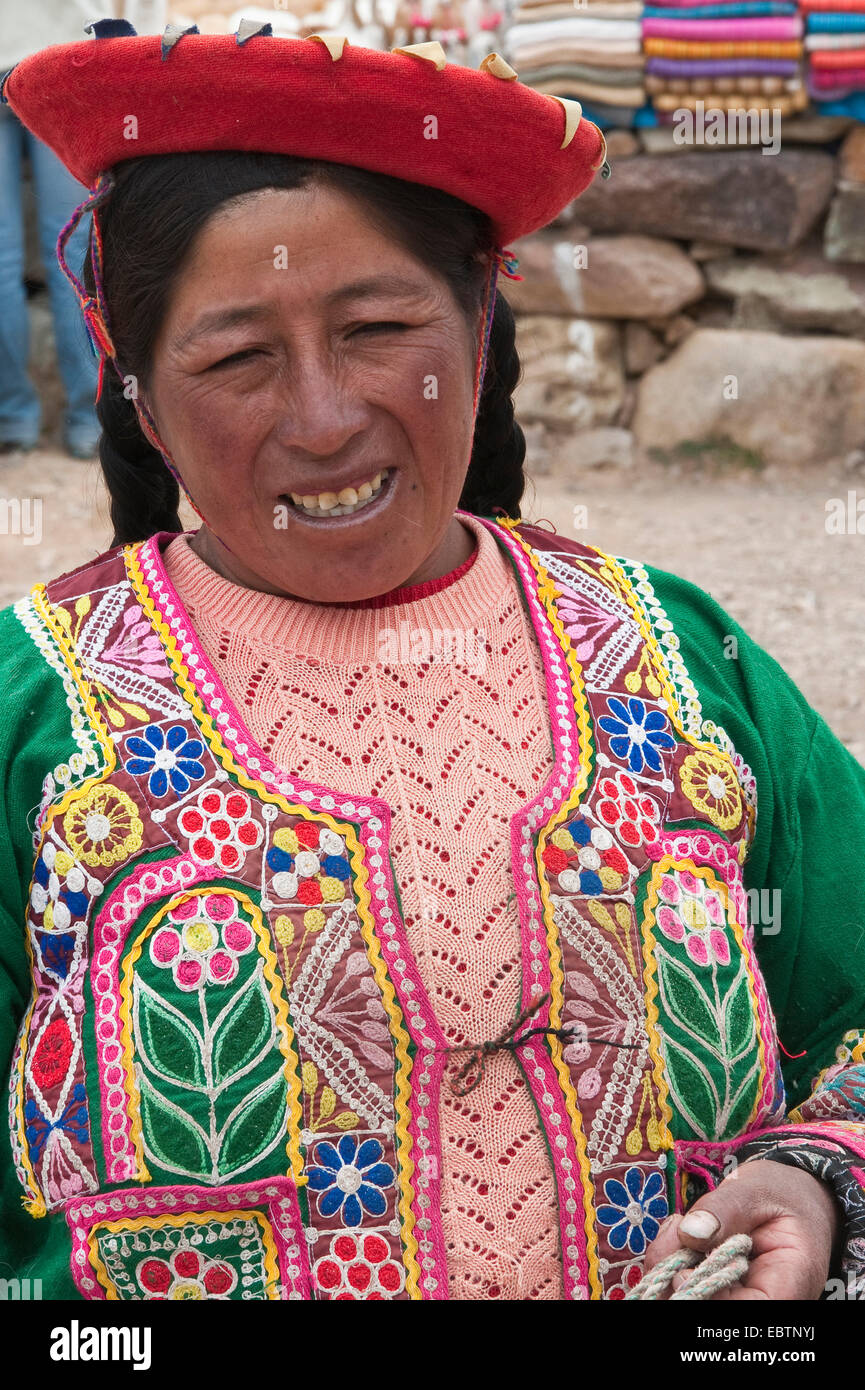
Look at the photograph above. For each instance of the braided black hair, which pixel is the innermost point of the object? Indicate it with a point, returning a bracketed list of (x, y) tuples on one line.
[(149, 221)]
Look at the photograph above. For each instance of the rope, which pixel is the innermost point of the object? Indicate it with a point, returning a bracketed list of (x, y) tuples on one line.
[(471, 1073), (720, 1268)]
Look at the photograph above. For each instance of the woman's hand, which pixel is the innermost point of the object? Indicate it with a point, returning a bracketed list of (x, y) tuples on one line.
[(791, 1217)]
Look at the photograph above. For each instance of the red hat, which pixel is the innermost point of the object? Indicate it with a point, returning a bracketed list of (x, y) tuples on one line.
[(517, 154)]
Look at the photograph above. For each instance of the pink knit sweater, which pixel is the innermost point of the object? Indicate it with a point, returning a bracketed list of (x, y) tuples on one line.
[(342, 695)]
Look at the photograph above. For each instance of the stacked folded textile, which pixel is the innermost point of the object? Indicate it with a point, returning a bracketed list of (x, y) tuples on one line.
[(835, 46), (725, 54), (591, 52)]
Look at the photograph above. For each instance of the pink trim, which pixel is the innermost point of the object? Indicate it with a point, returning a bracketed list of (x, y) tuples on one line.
[(706, 1158), (718, 854), (371, 816), (149, 883), (536, 960), (278, 1197)]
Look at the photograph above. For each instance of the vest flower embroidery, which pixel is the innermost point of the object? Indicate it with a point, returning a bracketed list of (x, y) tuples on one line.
[(166, 756), (691, 913), (103, 827), (358, 1267), (635, 1210), (710, 785), (220, 828), (185, 1274), (637, 734), (349, 1178)]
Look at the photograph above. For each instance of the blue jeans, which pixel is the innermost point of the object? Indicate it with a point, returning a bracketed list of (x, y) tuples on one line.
[(57, 194)]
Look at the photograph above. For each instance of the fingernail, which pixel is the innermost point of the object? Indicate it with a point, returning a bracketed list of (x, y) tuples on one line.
[(699, 1224)]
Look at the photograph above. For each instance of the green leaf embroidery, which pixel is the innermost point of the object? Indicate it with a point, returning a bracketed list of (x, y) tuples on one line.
[(242, 1031), (692, 1088), (743, 1102), (173, 1139), (685, 1002), (165, 1040), (253, 1126), (739, 1018)]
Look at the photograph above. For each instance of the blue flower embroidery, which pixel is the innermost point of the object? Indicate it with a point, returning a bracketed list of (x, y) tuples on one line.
[(73, 1122), (167, 756), (636, 733), (636, 1210), (349, 1179)]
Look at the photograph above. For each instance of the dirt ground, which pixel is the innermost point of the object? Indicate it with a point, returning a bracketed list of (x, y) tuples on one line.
[(756, 541)]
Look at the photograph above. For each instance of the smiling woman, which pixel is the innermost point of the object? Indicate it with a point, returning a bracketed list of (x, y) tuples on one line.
[(296, 350), (415, 901)]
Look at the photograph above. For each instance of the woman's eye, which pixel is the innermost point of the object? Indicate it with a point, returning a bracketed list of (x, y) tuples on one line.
[(235, 357), (379, 326)]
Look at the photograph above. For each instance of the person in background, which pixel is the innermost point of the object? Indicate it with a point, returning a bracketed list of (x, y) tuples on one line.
[(24, 30)]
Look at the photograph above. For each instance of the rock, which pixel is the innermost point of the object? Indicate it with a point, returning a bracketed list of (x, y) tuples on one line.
[(572, 372), (538, 455), (740, 198), (678, 329), (658, 139), (599, 448), (712, 313), (798, 291), (844, 234), (665, 139), (852, 156), (621, 144), (707, 250), (759, 396), (642, 348), (631, 277), (815, 130)]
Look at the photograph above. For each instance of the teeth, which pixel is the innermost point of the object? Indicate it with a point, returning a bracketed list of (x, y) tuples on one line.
[(342, 503)]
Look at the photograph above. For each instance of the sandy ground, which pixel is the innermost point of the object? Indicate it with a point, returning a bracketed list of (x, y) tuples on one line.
[(756, 541)]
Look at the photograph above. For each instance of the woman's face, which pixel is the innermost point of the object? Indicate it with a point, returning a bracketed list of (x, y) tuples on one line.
[(338, 356)]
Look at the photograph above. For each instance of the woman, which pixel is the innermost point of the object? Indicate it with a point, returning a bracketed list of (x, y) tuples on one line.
[(386, 861)]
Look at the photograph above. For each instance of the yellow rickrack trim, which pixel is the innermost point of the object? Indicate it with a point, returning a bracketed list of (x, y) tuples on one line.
[(291, 1068), (611, 572), (547, 594), (334, 43), (398, 1033), (35, 1205), (430, 52), (573, 115), (150, 1223), (67, 651), (497, 67), (661, 867), (402, 1096)]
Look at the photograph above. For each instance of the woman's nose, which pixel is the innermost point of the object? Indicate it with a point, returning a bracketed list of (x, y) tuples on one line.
[(319, 414)]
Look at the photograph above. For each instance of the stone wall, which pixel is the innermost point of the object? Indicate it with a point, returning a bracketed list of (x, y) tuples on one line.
[(701, 303)]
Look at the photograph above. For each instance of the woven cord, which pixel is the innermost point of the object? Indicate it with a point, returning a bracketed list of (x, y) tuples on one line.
[(721, 1268)]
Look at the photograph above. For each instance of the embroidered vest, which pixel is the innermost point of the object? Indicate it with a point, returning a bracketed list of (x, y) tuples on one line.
[(228, 1076)]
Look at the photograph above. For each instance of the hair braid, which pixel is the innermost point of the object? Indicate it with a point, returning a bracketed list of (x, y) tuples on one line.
[(144, 494), (495, 478)]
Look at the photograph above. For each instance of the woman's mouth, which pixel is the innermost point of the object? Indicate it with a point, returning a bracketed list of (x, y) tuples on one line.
[(323, 506)]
